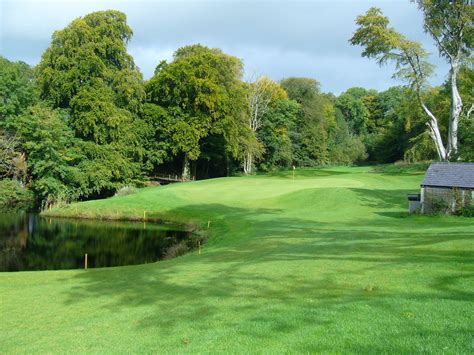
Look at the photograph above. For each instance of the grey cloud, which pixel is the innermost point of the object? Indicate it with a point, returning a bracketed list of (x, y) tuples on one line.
[(277, 38)]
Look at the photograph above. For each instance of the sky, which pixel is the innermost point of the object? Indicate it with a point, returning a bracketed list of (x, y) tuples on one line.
[(274, 38)]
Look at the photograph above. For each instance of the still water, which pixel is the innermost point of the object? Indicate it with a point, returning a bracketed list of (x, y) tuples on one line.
[(31, 242)]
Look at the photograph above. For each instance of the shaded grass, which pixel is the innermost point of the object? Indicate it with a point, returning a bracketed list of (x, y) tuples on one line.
[(327, 262)]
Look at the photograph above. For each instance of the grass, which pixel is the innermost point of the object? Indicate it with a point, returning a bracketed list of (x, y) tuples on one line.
[(327, 262)]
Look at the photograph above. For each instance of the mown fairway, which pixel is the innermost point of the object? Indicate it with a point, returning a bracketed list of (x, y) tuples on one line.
[(328, 262)]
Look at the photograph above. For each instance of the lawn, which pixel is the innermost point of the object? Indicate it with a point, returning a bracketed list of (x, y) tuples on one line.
[(329, 261)]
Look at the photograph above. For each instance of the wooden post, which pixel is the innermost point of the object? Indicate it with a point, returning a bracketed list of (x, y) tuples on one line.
[(144, 215), (85, 262), (199, 243)]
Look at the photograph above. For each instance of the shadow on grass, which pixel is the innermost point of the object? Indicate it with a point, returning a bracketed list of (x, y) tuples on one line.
[(383, 199), (401, 169), (267, 275), (305, 173)]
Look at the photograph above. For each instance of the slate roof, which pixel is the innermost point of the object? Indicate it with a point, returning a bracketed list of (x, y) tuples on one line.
[(450, 175)]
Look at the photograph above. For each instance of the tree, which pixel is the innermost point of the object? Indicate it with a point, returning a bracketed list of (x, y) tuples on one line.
[(354, 111), (17, 89), (343, 146), (320, 134), (302, 90), (88, 75), (274, 134), (260, 96), (47, 142), (450, 24), (87, 69), (202, 94), (12, 161)]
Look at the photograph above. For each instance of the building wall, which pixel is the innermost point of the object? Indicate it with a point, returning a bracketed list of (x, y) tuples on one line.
[(434, 198)]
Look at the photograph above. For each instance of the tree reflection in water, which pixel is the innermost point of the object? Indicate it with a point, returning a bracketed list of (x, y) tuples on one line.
[(31, 242)]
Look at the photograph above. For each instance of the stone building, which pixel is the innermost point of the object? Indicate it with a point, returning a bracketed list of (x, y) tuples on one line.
[(447, 187)]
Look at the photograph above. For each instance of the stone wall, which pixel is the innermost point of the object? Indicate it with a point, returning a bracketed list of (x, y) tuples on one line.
[(439, 199)]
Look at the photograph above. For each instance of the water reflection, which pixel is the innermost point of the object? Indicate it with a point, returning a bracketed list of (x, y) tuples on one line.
[(31, 242)]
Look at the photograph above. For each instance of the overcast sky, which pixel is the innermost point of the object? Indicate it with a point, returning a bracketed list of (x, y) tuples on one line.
[(274, 38)]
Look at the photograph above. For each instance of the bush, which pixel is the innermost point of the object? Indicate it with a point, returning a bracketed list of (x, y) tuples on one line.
[(14, 195), (466, 211), (439, 206)]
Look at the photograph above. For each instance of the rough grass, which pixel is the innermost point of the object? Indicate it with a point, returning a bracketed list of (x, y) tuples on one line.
[(327, 262)]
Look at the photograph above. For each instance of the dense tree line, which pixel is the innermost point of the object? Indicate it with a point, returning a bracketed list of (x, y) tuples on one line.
[(83, 122)]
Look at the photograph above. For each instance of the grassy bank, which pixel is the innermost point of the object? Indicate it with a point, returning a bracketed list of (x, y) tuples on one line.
[(329, 261)]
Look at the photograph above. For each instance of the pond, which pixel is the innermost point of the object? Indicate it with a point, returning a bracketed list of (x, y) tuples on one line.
[(32, 242)]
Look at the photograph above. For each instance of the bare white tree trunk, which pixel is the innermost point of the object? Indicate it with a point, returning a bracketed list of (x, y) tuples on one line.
[(259, 98), (186, 175), (469, 112), (447, 23), (248, 163), (456, 109), (435, 133)]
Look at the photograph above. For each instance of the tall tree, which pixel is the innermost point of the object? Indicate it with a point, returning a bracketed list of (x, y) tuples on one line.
[(356, 114), (450, 24), (321, 134), (87, 73), (274, 134), (202, 93), (261, 94), (87, 69), (302, 90), (17, 88)]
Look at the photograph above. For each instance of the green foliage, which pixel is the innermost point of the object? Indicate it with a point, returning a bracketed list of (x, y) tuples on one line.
[(157, 135), (97, 143), (355, 112), (17, 90), (13, 195), (466, 211), (99, 128), (202, 94), (344, 147), (450, 25), (301, 89), (386, 44), (321, 134), (440, 207), (466, 152), (91, 54), (87, 69), (12, 161), (48, 143), (466, 121), (275, 134), (65, 168)]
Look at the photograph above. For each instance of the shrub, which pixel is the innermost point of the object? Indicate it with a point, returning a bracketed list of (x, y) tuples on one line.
[(14, 195), (466, 211), (439, 206)]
